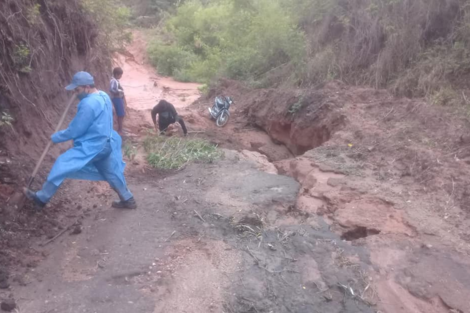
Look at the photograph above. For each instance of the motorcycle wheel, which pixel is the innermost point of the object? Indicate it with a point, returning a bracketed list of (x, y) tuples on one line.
[(223, 118)]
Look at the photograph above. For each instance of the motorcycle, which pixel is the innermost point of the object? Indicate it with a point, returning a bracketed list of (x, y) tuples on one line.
[(220, 110)]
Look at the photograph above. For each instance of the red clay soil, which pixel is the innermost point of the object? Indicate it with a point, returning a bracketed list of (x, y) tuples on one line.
[(388, 173)]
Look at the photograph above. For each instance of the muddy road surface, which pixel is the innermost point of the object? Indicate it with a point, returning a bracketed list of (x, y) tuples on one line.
[(222, 237)]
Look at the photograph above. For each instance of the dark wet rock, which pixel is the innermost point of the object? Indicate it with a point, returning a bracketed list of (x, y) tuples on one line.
[(8, 305)]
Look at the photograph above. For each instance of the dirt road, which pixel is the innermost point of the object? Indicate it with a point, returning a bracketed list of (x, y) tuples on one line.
[(235, 236), (202, 240)]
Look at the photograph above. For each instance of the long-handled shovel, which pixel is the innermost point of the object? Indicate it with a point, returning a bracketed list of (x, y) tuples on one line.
[(18, 198)]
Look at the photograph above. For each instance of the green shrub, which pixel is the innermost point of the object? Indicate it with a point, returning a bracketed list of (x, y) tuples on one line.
[(444, 96), (169, 59), (112, 18), (206, 69), (33, 14), (416, 48), (383, 42), (296, 107), (204, 89), (21, 58), (130, 151), (238, 39)]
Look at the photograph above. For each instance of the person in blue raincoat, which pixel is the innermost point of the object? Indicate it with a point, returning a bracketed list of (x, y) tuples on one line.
[(96, 154)]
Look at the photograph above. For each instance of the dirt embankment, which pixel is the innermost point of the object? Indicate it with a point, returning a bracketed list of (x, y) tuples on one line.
[(298, 119), (42, 44)]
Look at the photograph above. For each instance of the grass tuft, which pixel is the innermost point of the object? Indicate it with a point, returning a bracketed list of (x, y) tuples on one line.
[(174, 152)]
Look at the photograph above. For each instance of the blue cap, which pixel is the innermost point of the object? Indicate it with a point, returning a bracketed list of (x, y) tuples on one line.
[(81, 79)]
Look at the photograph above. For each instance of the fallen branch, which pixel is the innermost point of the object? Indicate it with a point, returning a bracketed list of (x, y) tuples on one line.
[(247, 227), (386, 115), (251, 253), (174, 232), (365, 290), (199, 215), (349, 290), (58, 235)]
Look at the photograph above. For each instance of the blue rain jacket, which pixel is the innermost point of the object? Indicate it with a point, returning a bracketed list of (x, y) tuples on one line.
[(90, 130)]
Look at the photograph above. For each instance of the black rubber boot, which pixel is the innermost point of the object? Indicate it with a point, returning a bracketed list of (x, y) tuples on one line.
[(31, 195), (128, 204)]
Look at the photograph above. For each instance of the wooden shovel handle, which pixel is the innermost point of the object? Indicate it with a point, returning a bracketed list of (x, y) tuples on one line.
[(46, 150)]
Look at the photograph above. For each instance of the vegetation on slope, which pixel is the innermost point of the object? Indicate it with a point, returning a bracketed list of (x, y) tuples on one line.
[(413, 47)]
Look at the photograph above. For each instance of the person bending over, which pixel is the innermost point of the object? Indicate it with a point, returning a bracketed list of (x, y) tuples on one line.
[(166, 115)]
